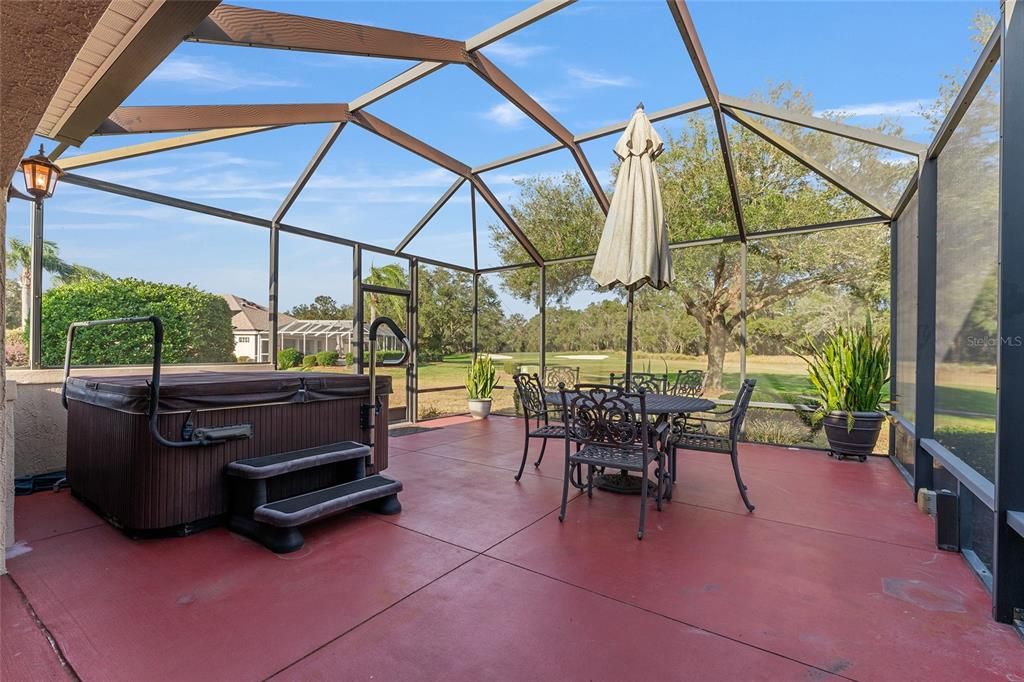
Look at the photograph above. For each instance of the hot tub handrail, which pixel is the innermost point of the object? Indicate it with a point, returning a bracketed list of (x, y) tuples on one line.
[(399, 334), (406, 352), (153, 413)]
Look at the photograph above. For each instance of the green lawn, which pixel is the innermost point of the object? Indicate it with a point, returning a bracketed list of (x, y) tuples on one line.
[(965, 399)]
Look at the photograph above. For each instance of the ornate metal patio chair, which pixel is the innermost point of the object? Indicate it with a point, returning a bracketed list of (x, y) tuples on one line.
[(610, 428), (689, 383), (719, 432), (560, 374), (535, 410), (648, 381)]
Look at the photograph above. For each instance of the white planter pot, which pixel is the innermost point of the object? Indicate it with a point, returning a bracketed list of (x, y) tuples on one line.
[(480, 408)]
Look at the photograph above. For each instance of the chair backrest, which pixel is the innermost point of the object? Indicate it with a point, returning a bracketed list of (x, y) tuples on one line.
[(531, 395), (689, 383), (560, 374), (604, 415), (652, 383), (739, 409)]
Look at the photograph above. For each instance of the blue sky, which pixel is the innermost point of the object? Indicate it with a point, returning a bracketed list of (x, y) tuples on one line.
[(589, 64)]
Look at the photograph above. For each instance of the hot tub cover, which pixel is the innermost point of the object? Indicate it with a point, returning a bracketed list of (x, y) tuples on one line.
[(215, 390)]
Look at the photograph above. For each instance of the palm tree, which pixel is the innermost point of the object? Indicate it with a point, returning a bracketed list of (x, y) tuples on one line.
[(19, 255), (393, 277)]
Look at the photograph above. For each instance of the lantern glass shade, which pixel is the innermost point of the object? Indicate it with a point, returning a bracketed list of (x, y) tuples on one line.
[(40, 175)]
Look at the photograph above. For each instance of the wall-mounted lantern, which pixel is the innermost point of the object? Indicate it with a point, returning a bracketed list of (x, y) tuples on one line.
[(40, 175)]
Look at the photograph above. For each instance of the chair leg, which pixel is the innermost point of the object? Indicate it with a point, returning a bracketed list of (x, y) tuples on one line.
[(540, 458), (590, 480), (565, 484), (739, 480), (643, 505), (662, 481), (526, 451)]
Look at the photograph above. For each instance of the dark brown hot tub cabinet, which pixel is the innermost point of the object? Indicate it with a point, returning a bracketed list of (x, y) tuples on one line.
[(116, 465)]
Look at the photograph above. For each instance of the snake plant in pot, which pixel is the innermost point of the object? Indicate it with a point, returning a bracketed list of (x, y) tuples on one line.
[(480, 381), (849, 369)]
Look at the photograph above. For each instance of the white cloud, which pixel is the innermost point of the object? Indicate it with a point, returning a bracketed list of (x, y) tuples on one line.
[(506, 115), (496, 179), (123, 176), (211, 73), (387, 197), (909, 107), (203, 176), (363, 180), (597, 79), (515, 53)]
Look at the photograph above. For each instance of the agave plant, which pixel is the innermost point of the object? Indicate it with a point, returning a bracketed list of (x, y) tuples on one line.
[(481, 378), (848, 369)]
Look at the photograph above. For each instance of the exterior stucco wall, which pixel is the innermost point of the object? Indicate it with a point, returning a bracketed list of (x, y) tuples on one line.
[(40, 440), (7, 474), (40, 40)]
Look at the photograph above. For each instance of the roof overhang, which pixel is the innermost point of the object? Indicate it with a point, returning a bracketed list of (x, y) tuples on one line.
[(129, 41)]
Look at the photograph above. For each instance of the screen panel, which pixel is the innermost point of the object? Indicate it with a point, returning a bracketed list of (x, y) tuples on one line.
[(966, 322), (905, 391)]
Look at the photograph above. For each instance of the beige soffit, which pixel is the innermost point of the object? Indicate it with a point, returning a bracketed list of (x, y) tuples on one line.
[(127, 43)]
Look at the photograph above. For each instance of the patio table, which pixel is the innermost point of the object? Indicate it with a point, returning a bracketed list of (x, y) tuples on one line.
[(659, 404)]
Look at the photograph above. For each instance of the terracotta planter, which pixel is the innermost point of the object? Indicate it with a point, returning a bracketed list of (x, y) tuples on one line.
[(479, 408), (857, 442)]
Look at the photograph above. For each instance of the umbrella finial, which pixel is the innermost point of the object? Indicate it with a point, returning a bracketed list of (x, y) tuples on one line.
[(640, 106)]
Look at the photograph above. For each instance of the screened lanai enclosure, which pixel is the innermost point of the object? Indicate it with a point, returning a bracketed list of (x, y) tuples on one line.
[(784, 221)]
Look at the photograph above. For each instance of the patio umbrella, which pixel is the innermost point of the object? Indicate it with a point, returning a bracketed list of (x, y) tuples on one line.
[(634, 244)]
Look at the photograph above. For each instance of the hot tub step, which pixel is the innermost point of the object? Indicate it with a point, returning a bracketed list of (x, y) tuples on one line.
[(275, 524), (301, 509), (281, 463)]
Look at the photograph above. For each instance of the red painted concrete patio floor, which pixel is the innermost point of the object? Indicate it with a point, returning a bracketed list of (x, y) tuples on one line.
[(834, 575)]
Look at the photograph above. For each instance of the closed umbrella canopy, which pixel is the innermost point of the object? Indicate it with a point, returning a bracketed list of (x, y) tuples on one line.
[(634, 244)]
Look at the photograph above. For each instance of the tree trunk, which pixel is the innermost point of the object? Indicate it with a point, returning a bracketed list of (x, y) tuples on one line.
[(25, 279), (718, 342)]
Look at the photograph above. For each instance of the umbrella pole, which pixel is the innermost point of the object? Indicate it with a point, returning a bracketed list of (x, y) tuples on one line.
[(629, 338)]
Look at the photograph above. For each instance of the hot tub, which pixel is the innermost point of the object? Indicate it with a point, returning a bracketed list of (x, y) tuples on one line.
[(116, 466)]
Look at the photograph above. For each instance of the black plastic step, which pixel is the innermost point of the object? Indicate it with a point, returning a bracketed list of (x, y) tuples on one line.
[(279, 463), (301, 509)]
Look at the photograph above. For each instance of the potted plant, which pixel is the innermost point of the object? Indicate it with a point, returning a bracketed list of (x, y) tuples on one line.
[(849, 370), (480, 381)]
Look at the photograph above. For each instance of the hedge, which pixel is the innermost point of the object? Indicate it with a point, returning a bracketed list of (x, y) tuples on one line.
[(288, 358), (197, 324), (381, 355), (327, 358), (386, 355)]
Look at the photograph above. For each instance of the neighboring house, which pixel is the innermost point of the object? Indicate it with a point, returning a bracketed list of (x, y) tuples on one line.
[(250, 323)]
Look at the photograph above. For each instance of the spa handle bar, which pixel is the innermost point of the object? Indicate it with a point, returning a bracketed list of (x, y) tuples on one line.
[(399, 334), (370, 411), (208, 436)]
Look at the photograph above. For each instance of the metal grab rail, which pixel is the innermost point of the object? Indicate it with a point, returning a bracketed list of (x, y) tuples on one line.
[(371, 420), (399, 334), (208, 436)]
